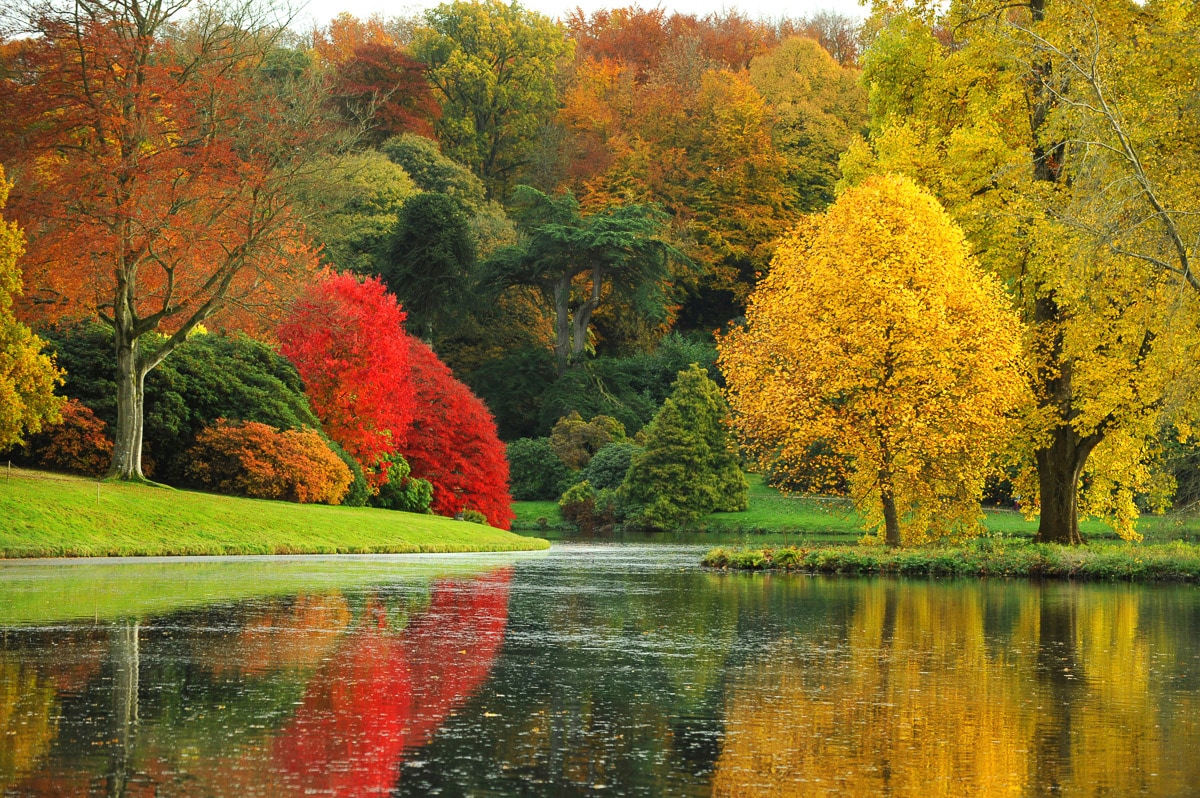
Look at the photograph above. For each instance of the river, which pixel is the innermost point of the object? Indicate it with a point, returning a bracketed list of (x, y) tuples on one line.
[(588, 670)]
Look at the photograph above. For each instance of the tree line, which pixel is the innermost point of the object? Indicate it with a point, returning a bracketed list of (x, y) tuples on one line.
[(562, 207)]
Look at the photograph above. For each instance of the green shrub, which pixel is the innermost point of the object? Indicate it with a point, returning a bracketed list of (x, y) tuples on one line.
[(474, 516), (208, 377), (535, 473), (402, 492), (576, 441), (608, 467), (688, 467)]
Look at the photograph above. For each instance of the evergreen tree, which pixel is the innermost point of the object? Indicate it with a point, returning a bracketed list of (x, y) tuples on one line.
[(688, 467)]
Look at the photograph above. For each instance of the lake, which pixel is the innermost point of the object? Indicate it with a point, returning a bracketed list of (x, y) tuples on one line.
[(589, 670)]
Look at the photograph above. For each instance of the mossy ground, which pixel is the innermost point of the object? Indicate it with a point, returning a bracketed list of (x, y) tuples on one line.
[(51, 515)]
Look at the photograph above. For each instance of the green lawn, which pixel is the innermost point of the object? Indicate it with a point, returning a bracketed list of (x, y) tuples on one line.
[(773, 517), (50, 515)]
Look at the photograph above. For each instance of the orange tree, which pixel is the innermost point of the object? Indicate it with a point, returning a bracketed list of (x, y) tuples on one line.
[(876, 345), (152, 158)]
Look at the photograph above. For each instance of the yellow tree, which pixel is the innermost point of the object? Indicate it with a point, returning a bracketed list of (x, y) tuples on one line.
[(1061, 136), (878, 346), (27, 377)]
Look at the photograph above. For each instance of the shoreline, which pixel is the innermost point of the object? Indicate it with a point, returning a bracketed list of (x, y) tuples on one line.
[(1176, 561)]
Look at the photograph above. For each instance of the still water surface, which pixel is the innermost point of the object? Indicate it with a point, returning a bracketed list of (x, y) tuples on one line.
[(591, 670)]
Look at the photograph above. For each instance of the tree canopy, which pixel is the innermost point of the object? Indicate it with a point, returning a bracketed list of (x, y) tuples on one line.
[(904, 368)]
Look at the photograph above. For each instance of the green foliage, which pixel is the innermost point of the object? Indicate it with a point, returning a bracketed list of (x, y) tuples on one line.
[(354, 206), (402, 492), (620, 249), (688, 467), (512, 386), (209, 377), (433, 172), (474, 517), (589, 509), (575, 441), (609, 466), (534, 470), (430, 262), (630, 389), (494, 66)]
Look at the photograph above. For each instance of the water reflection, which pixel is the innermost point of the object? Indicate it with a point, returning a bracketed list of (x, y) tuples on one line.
[(317, 694), (609, 670)]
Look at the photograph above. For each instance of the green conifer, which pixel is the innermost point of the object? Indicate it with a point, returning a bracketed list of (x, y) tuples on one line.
[(688, 467)]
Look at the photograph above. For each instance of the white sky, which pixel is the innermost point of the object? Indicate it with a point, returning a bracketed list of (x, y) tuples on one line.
[(321, 11)]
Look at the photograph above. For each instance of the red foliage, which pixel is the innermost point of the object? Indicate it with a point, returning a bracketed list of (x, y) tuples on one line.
[(252, 459), (386, 693), (348, 343), (77, 444), (453, 443), (383, 88)]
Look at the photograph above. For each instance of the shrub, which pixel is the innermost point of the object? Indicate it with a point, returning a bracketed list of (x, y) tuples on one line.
[(474, 517), (252, 459), (589, 509), (535, 470), (609, 466), (576, 441), (347, 339), (402, 491), (210, 376), (688, 467), (77, 444)]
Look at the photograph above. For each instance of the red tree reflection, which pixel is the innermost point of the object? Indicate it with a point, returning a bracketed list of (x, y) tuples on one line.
[(383, 691), (386, 692)]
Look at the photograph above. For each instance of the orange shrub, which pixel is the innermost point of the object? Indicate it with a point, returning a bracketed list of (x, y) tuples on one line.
[(255, 460), (76, 445)]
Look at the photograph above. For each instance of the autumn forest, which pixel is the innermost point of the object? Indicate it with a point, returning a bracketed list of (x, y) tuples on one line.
[(938, 257)]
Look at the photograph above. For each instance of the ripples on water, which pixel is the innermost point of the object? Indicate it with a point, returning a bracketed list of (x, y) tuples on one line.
[(594, 670)]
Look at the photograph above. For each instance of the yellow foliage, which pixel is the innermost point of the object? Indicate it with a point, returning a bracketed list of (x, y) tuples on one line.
[(878, 347), (27, 377)]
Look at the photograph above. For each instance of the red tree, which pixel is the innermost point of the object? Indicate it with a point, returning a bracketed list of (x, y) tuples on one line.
[(383, 90), (453, 443), (347, 340)]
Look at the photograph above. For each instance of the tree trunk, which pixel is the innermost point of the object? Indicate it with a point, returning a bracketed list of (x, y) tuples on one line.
[(562, 323), (1060, 467), (891, 522), (583, 314), (131, 381)]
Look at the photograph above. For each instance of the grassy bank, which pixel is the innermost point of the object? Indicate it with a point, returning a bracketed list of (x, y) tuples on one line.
[(989, 556), (49, 515), (775, 519)]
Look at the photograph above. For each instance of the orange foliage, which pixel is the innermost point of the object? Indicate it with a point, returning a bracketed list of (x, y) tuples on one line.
[(78, 444), (153, 169), (336, 43), (252, 459)]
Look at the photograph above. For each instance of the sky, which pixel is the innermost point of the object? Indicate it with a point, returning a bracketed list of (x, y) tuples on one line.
[(321, 11)]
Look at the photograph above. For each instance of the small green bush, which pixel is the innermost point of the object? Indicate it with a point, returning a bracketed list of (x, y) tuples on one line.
[(474, 517), (535, 472), (403, 492), (609, 466)]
